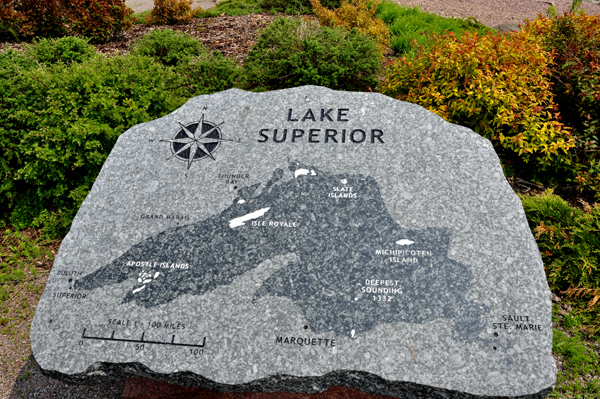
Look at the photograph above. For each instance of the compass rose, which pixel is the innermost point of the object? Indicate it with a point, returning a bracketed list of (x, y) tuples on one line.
[(196, 141)]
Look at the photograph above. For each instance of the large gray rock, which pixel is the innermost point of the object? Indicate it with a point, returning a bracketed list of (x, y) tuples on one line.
[(298, 239)]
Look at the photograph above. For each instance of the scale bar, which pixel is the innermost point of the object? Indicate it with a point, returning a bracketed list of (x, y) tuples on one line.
[(142, 341)]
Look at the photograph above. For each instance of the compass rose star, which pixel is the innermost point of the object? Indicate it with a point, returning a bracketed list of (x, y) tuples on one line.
[(196, 140)]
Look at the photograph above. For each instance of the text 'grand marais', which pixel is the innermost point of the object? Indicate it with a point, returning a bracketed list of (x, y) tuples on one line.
[(294, 134)]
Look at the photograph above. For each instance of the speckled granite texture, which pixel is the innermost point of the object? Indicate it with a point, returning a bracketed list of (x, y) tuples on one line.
[(296, 240)]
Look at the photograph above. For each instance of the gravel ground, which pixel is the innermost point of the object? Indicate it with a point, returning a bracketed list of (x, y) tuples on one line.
[(496, 12)]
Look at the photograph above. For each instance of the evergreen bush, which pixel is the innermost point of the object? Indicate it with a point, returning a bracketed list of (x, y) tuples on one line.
[(65, 49), (168, 47), (292, 52), (58, 124), (210, 72), (568, 240), (295, 6), (62, 110), (233, 7), (569, 243)]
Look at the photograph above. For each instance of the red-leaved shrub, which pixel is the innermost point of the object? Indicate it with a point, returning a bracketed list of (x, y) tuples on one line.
[(28, 18), (99, 19), (10, 20), (573, 39)]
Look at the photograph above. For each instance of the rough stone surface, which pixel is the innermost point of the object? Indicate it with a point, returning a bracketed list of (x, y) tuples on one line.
[(297, 240), (507, 27)]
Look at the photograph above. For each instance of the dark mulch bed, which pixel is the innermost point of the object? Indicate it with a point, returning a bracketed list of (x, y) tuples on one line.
[(232, 36)]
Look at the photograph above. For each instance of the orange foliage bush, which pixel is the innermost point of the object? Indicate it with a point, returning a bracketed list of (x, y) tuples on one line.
[(171, 12), (498, 85), (97, 19), (574, 41), (359, 14)]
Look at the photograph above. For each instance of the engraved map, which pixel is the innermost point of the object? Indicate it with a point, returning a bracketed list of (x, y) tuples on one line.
[(356, 268)]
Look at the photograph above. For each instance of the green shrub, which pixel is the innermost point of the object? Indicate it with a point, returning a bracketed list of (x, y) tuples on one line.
[(497, 85), (233, 7), (168, 47), (290, 52), (569, 242), (295, 6), (99, 20), (66, 49), (245, 7), (60, 120), (210, 72), (58, 124), (409, 24)]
